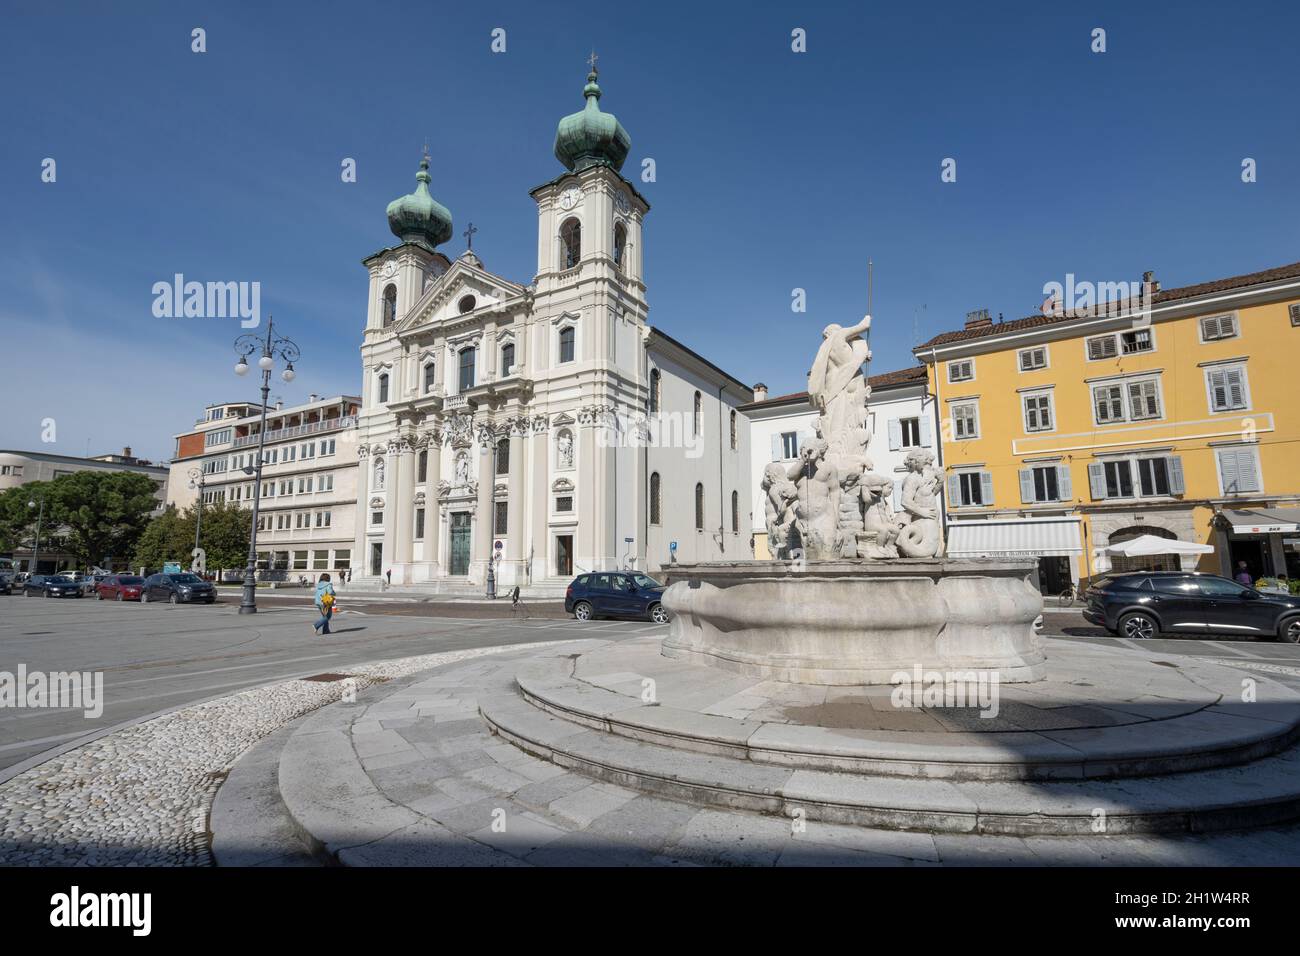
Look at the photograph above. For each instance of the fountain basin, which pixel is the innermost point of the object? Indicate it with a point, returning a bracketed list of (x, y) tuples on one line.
[(857, 622)]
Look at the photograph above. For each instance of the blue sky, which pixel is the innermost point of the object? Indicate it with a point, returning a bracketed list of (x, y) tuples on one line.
[(775, 170)]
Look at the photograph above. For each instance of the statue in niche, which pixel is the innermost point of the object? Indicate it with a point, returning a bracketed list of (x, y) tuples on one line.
[(379, 474), (462, 469), (564, 449)]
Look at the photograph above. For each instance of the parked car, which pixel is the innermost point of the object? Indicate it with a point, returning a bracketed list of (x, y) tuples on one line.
[(615, 594), (119, 587), (50, 586), (183, 588), (1142, 604), (6, 584), (84, 581)]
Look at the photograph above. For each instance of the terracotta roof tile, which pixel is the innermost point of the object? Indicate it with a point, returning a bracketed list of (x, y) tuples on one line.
[(902, 376), (1165, 295)]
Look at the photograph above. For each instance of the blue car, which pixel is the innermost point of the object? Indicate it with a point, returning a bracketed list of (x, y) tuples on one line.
[(615, 594)]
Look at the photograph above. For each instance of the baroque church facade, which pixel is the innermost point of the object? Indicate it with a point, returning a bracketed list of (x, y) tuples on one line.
[(545, 429)]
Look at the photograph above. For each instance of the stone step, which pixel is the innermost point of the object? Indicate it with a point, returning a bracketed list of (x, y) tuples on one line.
[(1263, 793), (1195, 735)]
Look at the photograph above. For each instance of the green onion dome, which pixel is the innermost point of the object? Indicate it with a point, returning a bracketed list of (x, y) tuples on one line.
[(590, 137), (418, 217)]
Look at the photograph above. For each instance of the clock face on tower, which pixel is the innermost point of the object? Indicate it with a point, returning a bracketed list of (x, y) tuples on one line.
[(570, 197), (620, 201), (390, 269)]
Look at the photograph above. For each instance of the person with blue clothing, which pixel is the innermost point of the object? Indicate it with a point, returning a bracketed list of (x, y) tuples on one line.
[(324, 602)]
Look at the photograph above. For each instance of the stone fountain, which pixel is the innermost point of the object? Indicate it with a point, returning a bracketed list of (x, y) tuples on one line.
[(856, 592)]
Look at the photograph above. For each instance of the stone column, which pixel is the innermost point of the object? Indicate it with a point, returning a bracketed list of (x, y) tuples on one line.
[(515, 513), (389, 494), (432, 525), (481, 542), (401, 500), (539, 464)]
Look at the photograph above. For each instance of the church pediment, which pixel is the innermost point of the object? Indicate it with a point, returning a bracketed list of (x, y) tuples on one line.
[(462, 290)]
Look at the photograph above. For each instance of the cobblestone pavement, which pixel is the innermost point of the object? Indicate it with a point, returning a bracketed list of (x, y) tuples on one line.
[(141, 796)]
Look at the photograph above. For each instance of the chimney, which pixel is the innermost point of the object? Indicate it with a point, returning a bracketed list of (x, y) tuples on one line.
[(978, 319), (760, 392), (312, 397), (278, 404), (126, 452), (1149, 281)]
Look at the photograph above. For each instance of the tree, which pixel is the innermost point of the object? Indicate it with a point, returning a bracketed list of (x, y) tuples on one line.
[(223, 534), (90, 514), (166, 538)]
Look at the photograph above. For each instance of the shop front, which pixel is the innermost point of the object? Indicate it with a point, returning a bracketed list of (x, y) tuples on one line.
[(1054, 543), (1266, 539)]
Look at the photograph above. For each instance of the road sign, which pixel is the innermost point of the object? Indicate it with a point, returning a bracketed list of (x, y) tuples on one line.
[(672, 545)]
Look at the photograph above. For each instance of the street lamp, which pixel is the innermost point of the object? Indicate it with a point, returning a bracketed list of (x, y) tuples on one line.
[(36, 545), (198, 480), (270, 347)]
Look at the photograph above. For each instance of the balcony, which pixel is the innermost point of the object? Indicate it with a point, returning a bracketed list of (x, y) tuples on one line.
[(299, 431)]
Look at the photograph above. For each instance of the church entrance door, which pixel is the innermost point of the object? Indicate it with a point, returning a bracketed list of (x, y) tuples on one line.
[(376, 558), (460, 540), (564, 555)]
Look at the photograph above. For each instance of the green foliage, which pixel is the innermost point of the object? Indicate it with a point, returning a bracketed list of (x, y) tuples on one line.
[(223, 537), (90, 514)]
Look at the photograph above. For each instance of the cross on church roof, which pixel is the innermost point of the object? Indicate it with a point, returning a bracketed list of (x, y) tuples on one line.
[(592, 60), (469, 235)]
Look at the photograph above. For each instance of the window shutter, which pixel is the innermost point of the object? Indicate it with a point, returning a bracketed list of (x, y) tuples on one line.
[(1218, 391), (925, 431), (986, 488), (1236, 394), (1026, 485), (954, 490), (1064, 486), (1247, 472), (1295, 313), (1097, 480), (778, 452), (1228, 470), (1101, 347), (1174, 466), (895, 434)]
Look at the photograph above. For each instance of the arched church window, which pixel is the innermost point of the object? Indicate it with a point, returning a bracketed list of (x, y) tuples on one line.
[(620, 242), (655, 382), (503, 456), (735, 512), (430, 374), (566, 344), (697, 418), (733, 429), (383, 387), (655, 507), (467, 368), (422, 467), (466, 304), (390, 305), (699, 507), (571, 242), (507, 358)]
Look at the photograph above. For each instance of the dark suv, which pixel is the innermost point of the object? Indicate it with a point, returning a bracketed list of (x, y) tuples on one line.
[(615, 594), (1142, 604), (181, 588)]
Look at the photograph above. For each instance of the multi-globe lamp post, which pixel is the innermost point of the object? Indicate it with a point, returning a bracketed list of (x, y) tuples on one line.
[(36, 545), (198, 481), (272, 347)]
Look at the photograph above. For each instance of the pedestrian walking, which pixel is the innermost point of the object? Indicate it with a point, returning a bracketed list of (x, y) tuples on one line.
[(324, 603), (1243, 575)]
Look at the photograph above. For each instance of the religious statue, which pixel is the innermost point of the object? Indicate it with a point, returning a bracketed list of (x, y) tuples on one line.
[(564, 450), (922, 536), (462, 469), (379, 474)]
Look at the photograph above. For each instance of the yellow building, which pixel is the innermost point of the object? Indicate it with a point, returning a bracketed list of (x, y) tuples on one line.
[(1171, 413)]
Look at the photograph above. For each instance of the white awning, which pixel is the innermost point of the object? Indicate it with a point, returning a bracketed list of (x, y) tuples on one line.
[(1263, 520), (1148, 544), (1000, 539)]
